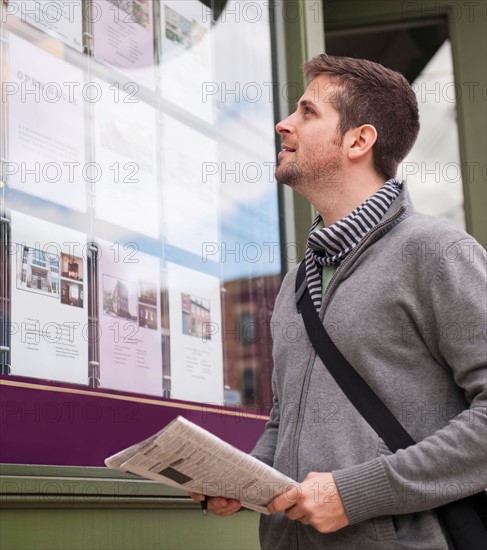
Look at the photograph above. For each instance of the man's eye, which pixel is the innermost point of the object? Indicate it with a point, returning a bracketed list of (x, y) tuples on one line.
[(307, 111)]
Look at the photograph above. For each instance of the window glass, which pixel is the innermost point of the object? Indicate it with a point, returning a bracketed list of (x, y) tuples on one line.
[(433, 168), (141, 211)]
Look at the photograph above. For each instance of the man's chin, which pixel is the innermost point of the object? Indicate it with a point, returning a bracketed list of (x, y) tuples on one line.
[(287, 175)]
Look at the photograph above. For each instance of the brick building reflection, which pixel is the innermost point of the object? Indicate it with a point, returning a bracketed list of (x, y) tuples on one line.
[(245, 335), (247, 342)]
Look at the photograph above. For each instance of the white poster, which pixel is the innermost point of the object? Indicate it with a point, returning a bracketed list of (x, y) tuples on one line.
[(129, 319), (186, 71), (124, 38), (49, 301), (191, 174), (125, 155), (46, 151), (59, 18), (196, 342)]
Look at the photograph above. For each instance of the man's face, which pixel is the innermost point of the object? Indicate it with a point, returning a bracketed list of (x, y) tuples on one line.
[(310, 150)]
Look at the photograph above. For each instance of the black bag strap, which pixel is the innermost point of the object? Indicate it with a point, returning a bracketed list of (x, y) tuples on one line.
[(463, 523), (362, 396)]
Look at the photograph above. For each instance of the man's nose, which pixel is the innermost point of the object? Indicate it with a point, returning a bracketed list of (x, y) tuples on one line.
[(285, 126)]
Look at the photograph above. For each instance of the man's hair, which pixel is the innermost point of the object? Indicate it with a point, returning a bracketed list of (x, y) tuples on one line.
[(369, 93)]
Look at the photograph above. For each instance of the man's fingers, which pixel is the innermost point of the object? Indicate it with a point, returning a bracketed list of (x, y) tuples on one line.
[(295, 513), (285, 501), (223, 506), (218, 505)]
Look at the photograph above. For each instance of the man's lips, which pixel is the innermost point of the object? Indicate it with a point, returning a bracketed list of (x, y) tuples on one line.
[(286, 149)]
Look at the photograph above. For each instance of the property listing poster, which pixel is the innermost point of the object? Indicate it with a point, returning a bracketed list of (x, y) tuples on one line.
[(126, 192), (59, 18), (123, 38), (196, 342), (46, 151), (186, 70), (49, 301), (129, 319), (191, 176)]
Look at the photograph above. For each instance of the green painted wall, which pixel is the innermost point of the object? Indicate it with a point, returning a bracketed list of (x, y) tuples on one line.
[(60, 508), (302, 37), (125, 529)]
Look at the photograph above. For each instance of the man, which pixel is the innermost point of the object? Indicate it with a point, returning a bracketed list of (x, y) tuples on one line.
[(403, 296)]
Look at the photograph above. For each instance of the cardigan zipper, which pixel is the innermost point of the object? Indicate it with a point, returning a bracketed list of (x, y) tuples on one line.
[(311, 360)]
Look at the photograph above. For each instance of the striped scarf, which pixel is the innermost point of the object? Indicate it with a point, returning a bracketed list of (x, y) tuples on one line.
[(330, 245)]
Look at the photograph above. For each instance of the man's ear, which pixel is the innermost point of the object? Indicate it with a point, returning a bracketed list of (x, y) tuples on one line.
[(361, 140)]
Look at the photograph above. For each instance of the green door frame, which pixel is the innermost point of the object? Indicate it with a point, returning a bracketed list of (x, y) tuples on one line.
[(299, 36)]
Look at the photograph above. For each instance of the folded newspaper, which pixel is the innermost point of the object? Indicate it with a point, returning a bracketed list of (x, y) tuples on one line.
[(188, 457)]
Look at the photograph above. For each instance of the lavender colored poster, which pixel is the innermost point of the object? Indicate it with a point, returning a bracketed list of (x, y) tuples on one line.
[(124, 38), (129, 320)]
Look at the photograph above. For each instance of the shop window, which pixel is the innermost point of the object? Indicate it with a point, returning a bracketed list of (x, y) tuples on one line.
[(138, 196)]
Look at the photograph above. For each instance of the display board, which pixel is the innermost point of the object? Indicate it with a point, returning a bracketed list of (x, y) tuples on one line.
[(187, 57), (131, 214), (124, 138), (123, 37), (129, 322), (49, 309), (189, 179), (195, 314), (46, 130)]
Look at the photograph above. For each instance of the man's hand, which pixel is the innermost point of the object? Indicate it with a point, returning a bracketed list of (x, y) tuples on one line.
[(219, 505), (314, 502)]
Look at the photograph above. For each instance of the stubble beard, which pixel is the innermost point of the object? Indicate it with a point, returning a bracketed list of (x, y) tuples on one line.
[(289, 173), (301, 175), (321, 172)]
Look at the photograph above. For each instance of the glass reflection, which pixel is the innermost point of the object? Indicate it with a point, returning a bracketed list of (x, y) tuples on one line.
[(433, 167), (142, 203)]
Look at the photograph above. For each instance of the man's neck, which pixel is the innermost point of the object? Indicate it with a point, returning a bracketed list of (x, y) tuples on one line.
[(336, 202)]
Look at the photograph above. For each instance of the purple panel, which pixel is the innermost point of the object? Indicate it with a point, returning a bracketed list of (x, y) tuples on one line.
[(45, 426)]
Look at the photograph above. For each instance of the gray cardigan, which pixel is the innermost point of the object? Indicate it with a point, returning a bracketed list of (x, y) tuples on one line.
[(408, 309)]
